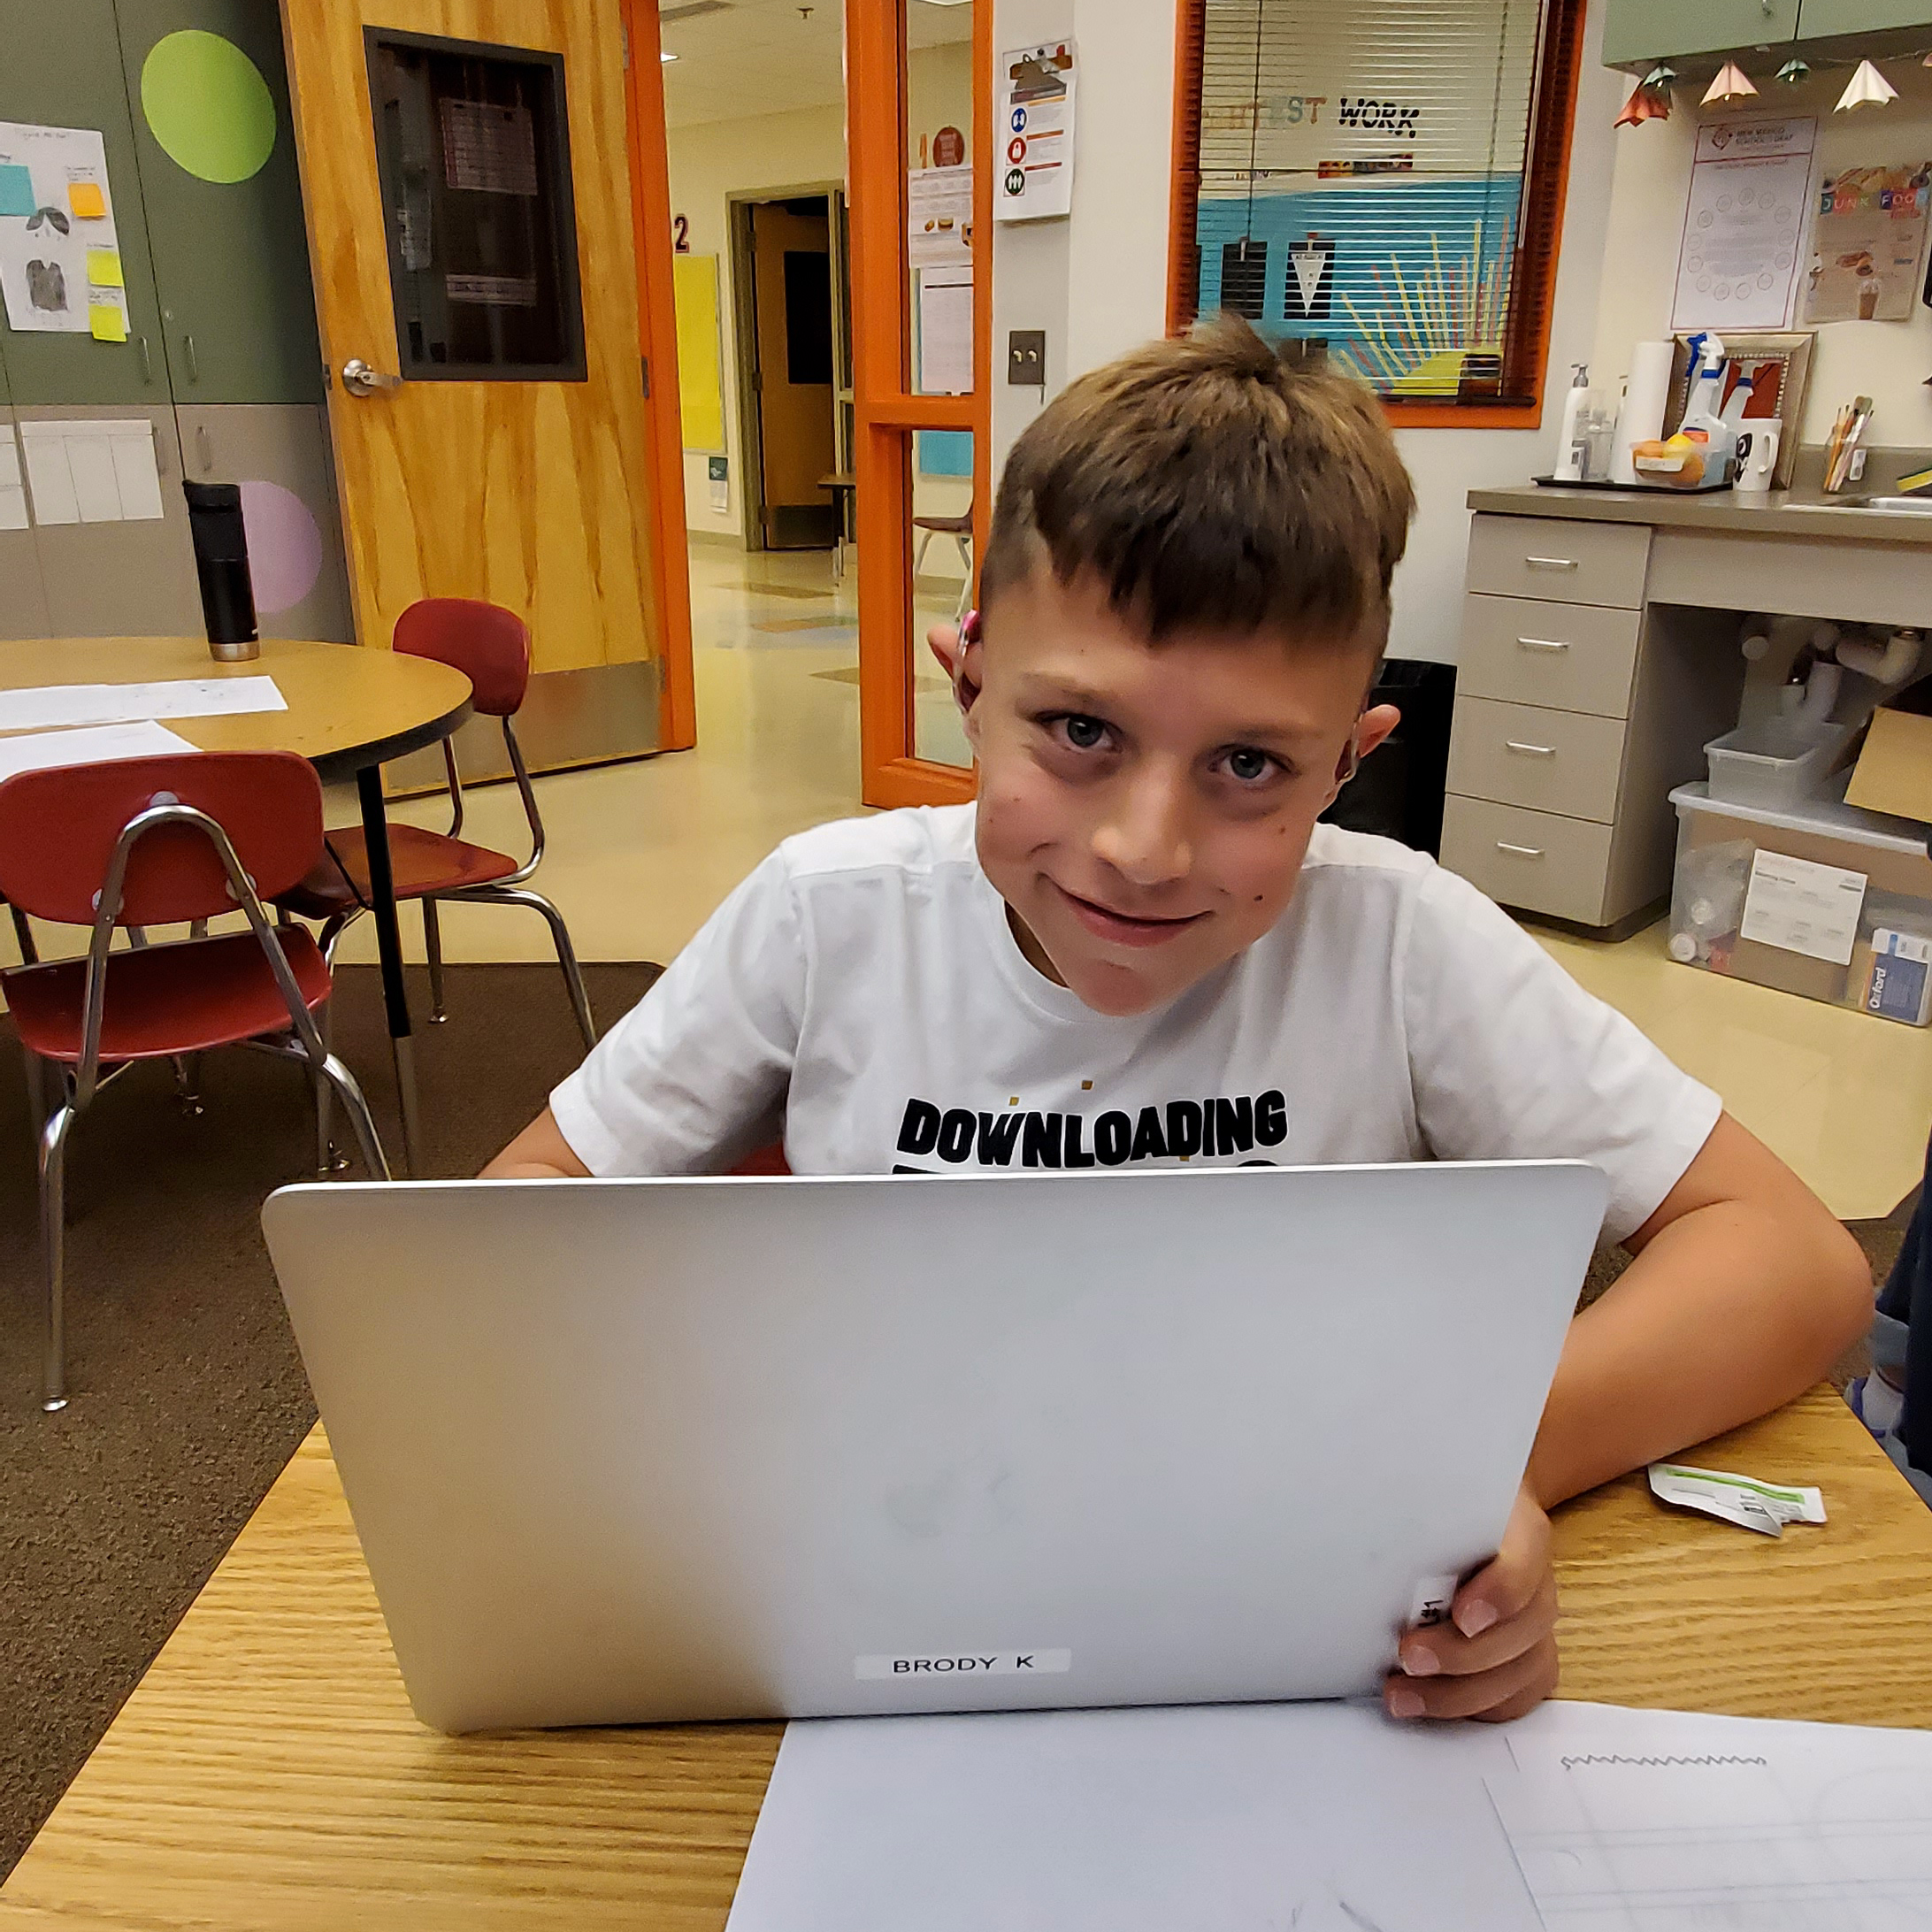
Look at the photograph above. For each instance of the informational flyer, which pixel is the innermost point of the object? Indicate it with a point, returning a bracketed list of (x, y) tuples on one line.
[(945, 331), (1744, 224), (1869, 233), (1803, 907), (1034, 100), (939, 217), (60, 267)]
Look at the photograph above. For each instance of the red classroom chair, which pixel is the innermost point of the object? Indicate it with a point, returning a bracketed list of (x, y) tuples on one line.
[(490, 647), (160, 841)]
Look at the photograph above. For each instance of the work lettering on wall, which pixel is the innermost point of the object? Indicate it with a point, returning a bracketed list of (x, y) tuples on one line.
[(1379, 117)]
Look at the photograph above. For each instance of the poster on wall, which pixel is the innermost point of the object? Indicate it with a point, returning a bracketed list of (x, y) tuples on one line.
[(1868, 235), (1034, 102), (945, 331), (60, 266), (1744, 224), (939, 217)]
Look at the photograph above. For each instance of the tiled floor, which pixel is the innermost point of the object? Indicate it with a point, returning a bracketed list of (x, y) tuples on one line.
[(639, 854)]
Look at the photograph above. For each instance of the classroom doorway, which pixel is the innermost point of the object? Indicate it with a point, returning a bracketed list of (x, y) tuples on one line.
[(790, 292)]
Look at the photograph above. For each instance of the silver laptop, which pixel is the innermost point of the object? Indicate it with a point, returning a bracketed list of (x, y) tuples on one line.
[(636, 1451)]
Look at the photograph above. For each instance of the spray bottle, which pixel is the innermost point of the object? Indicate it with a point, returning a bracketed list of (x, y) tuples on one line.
[(1702, 420), (1572, 444)]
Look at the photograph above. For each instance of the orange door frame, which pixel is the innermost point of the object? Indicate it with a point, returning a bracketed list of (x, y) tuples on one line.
[(887, 414), (657, 345)]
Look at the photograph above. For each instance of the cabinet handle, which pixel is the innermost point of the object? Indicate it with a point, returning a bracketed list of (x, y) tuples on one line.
[(147, 361), (1520, 851), (1529, 751), (1543, 643), (1551, 562), (194, 366)]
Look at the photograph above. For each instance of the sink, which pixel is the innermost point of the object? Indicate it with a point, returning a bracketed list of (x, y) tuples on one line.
[(1886, 506)]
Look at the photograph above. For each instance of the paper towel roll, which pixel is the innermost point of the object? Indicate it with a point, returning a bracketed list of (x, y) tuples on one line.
[(1643, 401)]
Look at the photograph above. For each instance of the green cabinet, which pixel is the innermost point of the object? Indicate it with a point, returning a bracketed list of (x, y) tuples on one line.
[(1817, 20), (209, 100), (52, 72)]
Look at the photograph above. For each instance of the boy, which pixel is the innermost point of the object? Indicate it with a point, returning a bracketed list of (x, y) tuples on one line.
[(1184, 599)]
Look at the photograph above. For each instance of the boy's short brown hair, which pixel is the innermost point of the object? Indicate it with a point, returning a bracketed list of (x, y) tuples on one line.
[(1206, 482)]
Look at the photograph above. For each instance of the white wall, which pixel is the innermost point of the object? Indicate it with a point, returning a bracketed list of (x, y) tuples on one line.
[(1097, 282), (1888, 361), (708, 161)]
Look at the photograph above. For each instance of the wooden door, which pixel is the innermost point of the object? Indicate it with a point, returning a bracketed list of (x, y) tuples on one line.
[(469, 199), (792, 373)]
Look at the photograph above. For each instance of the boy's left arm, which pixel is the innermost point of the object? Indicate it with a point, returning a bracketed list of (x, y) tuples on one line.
[(1744, 1290)]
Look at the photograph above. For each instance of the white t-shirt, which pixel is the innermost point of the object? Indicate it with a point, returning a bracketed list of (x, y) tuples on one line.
[(864, 991)]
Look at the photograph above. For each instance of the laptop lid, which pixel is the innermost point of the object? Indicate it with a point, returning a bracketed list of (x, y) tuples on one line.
[(648, 1450)]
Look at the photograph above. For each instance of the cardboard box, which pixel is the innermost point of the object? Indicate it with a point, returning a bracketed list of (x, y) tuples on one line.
[(1894, 772)]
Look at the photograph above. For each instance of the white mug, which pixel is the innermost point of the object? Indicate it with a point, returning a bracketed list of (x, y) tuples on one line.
[(1758, 439)]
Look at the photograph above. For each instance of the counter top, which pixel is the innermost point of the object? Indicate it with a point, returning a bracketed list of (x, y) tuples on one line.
[(1780, 513)]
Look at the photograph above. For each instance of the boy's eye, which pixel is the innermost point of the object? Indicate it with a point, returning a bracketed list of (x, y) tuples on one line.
[(1248, 766), (1083, 733)]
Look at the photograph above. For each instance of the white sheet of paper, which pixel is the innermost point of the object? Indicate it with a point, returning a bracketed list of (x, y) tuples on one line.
[(90, 463), (48, 477), (1330, 1818), (1803, 907), (41, 751), (945, 331), (13, 482), (44, 256), (44, 706), (135, 475), (1744, 224)]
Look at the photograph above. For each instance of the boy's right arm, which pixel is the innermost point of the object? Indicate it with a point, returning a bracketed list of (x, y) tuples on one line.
[(540, 1153)]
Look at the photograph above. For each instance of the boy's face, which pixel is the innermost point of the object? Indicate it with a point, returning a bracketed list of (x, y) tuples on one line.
[(1144, 810)]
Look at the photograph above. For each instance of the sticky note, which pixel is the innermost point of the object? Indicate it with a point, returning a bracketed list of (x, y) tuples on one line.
[(104, 269), (87, 201), (15, 189), (107, 322)]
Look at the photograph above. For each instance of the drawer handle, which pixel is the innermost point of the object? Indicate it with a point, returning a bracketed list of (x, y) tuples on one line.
[(1529, 751), (1543, 643), (1520, 851), (1551, 562)]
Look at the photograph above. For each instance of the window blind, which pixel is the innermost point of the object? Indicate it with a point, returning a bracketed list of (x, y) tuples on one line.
[(1362, 181)]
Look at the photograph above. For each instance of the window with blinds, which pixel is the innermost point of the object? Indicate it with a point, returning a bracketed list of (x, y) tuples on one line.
[(1383, 177)]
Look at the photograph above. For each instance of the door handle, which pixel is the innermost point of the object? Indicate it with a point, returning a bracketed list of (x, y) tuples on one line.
[(360, 379), (1529, 751)]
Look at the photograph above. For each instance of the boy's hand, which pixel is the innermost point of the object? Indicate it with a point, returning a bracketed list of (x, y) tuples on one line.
[(1497, 1657)]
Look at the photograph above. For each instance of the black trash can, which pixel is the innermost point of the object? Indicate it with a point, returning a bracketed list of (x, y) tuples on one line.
[(1399, 790)]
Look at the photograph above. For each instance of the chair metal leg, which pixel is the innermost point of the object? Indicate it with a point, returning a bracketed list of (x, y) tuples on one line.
[(53, 1175), (23, 934), (335, 1074), (433, 951), (328, 1162), (926, 544), (187, 1083), (566, 955)]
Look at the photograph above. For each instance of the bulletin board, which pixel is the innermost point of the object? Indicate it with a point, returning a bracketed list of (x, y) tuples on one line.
[(700, 386)]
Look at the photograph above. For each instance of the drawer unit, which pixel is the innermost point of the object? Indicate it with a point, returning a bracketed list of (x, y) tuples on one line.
[(1522, 754), (1570, 657), (1537, 862), (1560, 560)]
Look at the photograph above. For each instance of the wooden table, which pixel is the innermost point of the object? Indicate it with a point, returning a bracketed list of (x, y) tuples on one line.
[(350, 711), (268, 1773)]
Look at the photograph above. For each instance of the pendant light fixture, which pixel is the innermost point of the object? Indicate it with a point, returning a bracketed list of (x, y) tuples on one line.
[(1867, 88), (1794, 72), (1731, 84), (1650, 99)]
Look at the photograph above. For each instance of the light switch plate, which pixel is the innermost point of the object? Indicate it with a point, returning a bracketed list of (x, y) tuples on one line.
[(1026, 358)]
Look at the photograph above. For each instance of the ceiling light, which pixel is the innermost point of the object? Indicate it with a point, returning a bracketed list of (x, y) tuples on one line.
[(1868, 87)]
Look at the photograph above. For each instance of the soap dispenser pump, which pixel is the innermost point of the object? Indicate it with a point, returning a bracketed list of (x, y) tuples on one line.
[(1572, 443)]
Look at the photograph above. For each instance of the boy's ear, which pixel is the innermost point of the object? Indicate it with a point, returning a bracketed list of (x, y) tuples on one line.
[(957, 648), (1371, 728)]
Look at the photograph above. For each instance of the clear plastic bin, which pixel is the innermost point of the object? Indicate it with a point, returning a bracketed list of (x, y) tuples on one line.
[(1889, 970), (1776, 769)]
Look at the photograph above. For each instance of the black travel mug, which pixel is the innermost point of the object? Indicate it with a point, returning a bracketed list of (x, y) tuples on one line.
[(221, 563)]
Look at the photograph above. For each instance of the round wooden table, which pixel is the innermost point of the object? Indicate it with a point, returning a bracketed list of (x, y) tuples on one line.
[(350, 711)]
